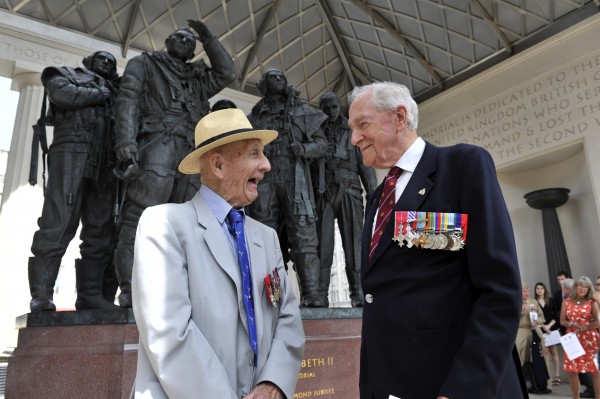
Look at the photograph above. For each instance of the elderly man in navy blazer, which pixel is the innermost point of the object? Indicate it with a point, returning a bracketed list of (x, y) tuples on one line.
[(439, 265)]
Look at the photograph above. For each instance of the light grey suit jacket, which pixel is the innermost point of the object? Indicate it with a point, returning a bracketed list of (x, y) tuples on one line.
[(189, 310)]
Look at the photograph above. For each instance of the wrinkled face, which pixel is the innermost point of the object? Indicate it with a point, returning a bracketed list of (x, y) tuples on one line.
[(581, 291), (376, 133), (525, 293), (181, 44), (276, 82), (104, 64), (331, 108), (244, 166), (539, 291)]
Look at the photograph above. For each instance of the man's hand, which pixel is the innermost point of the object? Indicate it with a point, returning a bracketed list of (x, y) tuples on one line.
[(265, 390), (297, 149), (201, 29), (128, 153)]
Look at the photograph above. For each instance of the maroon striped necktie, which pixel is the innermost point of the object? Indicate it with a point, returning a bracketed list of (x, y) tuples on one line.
[(386, 204)]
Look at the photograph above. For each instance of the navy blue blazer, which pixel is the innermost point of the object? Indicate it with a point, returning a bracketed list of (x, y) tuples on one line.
[(444, 322)]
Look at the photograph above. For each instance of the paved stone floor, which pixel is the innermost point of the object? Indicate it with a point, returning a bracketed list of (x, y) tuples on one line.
[(562, 391)]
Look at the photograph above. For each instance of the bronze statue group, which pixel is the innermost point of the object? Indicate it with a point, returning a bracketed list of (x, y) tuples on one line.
[(198, 212), (117, 144)]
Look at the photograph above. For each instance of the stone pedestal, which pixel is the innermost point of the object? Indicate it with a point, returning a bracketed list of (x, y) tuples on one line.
[(331, 356), (547, 200), (93, 354), (85, 354)]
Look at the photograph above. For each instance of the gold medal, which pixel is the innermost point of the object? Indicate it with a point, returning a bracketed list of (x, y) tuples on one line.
[(423, 239), (416, 242)]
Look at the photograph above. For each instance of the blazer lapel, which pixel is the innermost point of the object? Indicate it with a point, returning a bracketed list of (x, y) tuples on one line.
[(371, 209), (418, 188), (219, 246), (215, 239), (259, 266)]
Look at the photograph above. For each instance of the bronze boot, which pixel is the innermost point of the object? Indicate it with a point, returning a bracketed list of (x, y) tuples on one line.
[(89, 286), (42, 276), (356, 295)]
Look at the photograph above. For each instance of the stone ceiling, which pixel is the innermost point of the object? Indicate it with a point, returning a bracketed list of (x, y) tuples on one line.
[(331, 45)]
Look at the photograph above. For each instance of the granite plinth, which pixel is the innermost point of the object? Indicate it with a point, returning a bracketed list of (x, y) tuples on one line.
[(79, 318), (93, 354), (331, 355), (84, 354)]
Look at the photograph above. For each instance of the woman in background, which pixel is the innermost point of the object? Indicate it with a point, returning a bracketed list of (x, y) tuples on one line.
[(546, 303), (579, 313)]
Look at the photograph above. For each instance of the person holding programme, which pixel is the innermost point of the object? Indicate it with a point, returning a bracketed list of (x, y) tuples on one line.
[(437, 323), (530, 342), (579, 314), (566, 285), (216, 313), (547, 305), (531, 317)]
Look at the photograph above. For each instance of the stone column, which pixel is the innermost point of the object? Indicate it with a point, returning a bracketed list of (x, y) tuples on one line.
[(547, 200), (591, 149), (31, 93), (21, 206)]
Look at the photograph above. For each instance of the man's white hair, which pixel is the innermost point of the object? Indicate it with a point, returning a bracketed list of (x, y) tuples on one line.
[(387, 96)]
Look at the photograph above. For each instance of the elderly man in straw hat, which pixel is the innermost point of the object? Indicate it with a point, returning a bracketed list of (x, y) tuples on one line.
[(216, 314)]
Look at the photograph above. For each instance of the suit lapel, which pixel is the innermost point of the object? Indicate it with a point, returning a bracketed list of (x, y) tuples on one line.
[(371, 208), (418, 188), (219, 246), (216, 240), (258, 268)]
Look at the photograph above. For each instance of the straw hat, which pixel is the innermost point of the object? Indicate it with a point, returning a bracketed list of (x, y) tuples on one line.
[(219, 128)]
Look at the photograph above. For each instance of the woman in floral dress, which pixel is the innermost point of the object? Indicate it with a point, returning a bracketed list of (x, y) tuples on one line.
[(579, 314)]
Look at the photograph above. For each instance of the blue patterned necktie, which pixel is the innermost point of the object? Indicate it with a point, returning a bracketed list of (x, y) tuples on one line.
[(235, 223)]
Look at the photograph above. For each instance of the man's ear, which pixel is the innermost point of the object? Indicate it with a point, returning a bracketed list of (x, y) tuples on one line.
[(216, 164), (400, 115)]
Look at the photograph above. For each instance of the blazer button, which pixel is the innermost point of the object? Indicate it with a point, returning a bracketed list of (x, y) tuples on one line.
[(369, 298)]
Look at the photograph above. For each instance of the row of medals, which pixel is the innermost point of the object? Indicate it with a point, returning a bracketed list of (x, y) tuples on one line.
[(431, 240)]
